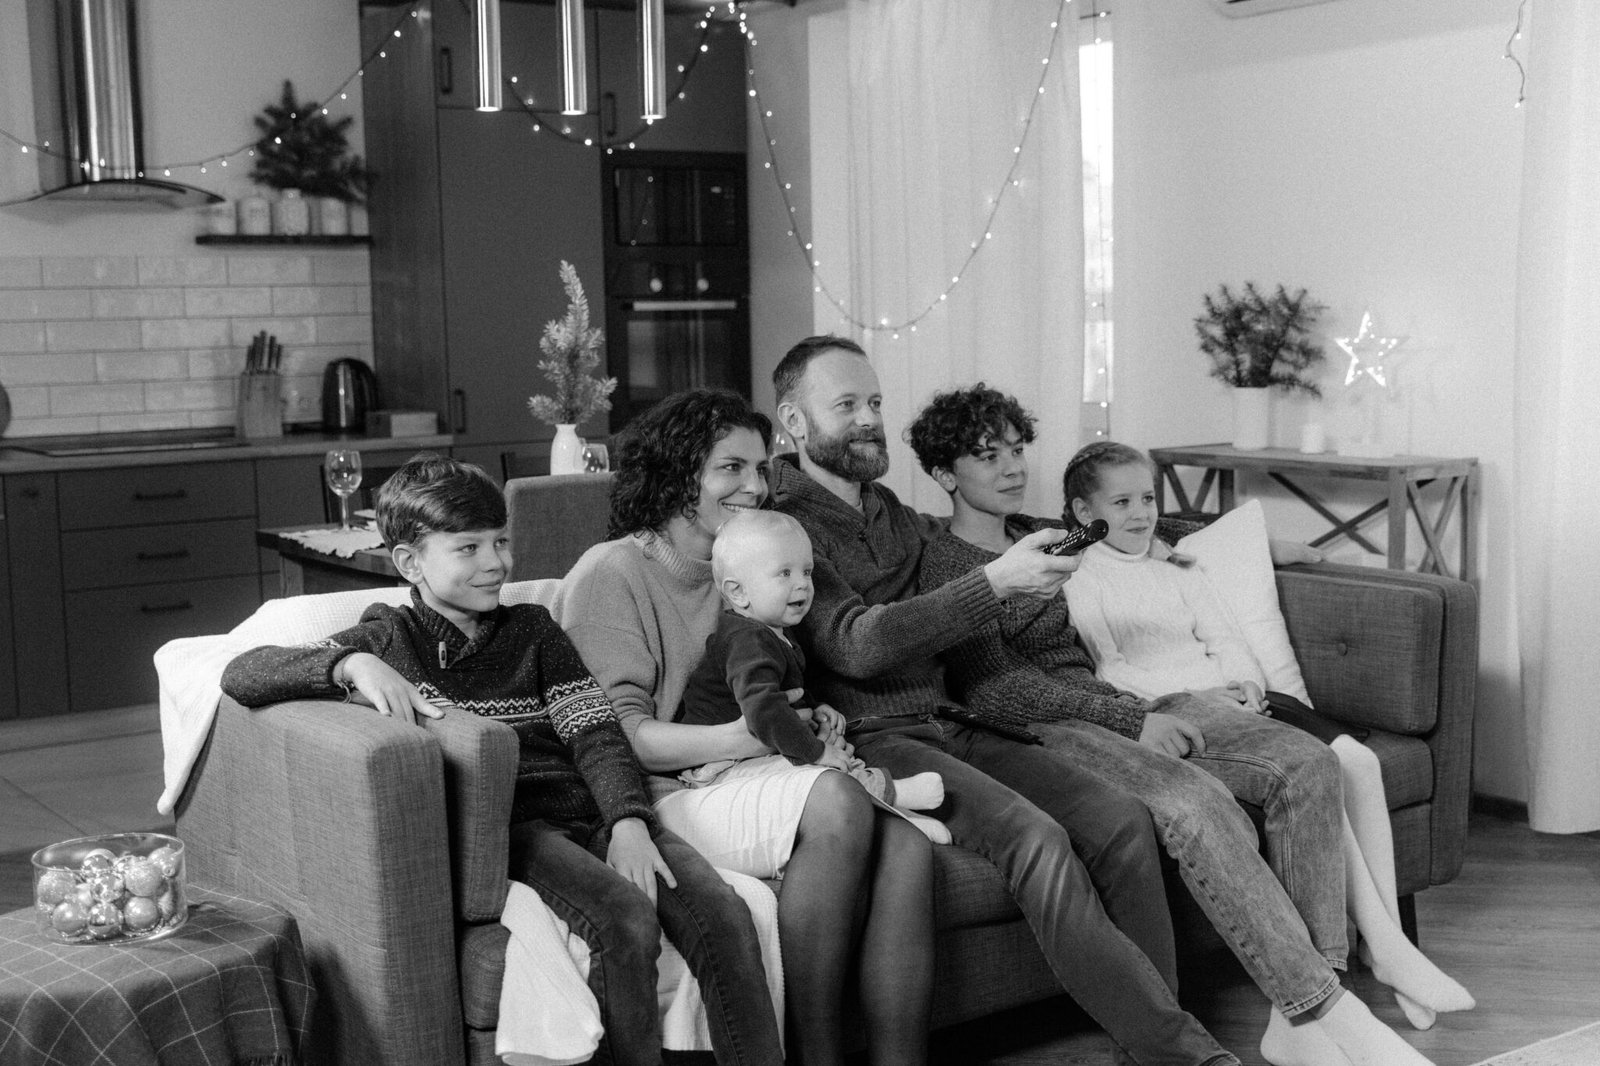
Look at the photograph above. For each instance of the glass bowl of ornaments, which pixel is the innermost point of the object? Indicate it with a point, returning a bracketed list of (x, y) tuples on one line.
[(107, 889)]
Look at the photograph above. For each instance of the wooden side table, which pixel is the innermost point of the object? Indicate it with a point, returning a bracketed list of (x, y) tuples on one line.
[(1401, 477), (231, 986)]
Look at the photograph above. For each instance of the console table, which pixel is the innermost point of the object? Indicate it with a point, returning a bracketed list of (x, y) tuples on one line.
[(1401, 478)]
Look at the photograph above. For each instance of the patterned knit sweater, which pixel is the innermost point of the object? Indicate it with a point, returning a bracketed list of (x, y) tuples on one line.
[(871, 641), (573, 762), (1026, 666)]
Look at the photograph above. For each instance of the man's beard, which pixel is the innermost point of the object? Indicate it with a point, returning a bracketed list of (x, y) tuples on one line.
[(840, 456)]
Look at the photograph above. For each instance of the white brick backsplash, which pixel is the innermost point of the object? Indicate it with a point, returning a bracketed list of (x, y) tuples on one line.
[(63, 369), (23, 304), (343, 268), (19, 272), (145, 420), (183, 270), (217, 363), (312, 359), (190, 395), (287, 330), (222, 416), (21, 337), (96, 399), (142, 366), (109, 335), (44, 427), (302, 398), (186, 333), (30, 402), (344, 329), (228, 302), (137, 303), (314, 300), (90, 272), (269, 270), (363, 299)]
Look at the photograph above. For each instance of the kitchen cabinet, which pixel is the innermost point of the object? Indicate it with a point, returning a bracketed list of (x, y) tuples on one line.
[(100, 567), (474, 212)]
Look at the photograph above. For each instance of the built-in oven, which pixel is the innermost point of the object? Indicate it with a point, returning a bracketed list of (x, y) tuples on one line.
[(677, 276)]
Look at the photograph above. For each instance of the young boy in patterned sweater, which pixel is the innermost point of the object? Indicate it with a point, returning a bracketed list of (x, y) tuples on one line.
[(583, 833)]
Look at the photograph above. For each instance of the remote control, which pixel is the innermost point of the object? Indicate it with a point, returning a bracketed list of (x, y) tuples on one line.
[(1005, 729), (1080, 538)]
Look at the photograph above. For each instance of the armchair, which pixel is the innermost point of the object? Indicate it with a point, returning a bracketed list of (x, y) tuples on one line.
[(389, 843)]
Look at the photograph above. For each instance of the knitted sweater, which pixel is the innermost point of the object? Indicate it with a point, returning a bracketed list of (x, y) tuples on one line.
[(872, 642), (746, 671), (639, 613), (1155, 628), (573, 762), (1027, 666)]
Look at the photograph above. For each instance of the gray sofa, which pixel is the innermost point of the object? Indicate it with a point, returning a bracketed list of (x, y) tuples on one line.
[(388, 842)]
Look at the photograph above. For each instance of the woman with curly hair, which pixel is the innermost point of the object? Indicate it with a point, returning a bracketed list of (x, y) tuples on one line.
[(639, 608)]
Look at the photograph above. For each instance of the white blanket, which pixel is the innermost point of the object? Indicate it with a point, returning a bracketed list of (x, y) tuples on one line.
[(190, 672)]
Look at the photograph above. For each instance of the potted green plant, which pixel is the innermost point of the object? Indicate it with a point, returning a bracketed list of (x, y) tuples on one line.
[(571, 349), (301, 152), (1258, 342)]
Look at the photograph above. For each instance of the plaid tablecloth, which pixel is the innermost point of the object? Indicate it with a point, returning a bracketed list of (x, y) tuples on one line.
[(230, 988)]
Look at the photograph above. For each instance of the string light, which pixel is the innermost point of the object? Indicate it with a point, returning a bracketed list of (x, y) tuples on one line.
[(247, 149), (996, 202), (1522, 73)]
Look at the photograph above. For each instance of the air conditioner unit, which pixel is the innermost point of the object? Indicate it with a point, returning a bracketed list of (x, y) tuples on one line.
[(1241, 8)]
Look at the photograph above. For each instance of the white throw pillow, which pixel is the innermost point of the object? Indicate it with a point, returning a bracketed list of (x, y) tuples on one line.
[(1233, 553)]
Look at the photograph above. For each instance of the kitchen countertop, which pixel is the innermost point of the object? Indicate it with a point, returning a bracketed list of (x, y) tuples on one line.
[(28, 455)]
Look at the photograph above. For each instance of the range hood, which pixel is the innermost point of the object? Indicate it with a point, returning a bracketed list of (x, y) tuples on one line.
[(87, 73)]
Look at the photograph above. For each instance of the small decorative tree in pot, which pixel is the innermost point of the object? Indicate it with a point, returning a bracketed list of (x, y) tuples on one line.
[(302, 153), (571, 349), (1259, 342)]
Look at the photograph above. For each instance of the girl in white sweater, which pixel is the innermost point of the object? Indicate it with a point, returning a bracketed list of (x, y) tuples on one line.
[(1154, 624)]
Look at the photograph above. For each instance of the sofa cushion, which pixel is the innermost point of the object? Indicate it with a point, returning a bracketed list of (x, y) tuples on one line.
[(481, 950), (968, 890), (1407, 768)]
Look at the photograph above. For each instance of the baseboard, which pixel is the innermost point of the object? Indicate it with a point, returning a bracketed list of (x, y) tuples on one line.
[(1500, 807)]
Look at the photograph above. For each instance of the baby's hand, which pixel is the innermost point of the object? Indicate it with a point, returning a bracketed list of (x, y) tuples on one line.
[(827, 723), (834, 758), (382, 686)]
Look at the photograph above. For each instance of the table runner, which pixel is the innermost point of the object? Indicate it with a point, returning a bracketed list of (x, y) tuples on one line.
[(230, 988)]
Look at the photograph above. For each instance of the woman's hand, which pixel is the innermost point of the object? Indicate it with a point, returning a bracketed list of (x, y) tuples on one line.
[(1171, 735), (1247, 694), (1289, 552), (833, 758), (382, 686), (633, 855), (827, 723)]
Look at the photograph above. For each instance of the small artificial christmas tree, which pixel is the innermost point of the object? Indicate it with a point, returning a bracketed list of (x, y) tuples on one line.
[(300, 149), (1260, 341), (572, 353)]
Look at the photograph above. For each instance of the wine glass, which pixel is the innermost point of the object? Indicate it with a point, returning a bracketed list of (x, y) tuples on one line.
[(342, 468), (596, 458)]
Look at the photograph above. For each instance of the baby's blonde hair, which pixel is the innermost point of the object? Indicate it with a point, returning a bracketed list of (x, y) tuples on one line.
[(740, 536)]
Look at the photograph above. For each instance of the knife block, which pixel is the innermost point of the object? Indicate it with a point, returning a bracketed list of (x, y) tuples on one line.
[(260, 411)]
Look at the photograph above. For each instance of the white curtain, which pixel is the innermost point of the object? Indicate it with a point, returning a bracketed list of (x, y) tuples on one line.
[(940, 93), (19, 171), (1557, 424)]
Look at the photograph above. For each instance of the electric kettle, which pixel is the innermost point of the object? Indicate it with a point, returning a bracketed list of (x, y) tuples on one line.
[(349, 391)]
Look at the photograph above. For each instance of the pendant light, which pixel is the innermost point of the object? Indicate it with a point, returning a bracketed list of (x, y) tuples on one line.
[(574, 60), (653, 59), (489, 96)]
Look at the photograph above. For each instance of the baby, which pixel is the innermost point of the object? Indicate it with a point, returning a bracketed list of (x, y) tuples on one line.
[(761, 563)]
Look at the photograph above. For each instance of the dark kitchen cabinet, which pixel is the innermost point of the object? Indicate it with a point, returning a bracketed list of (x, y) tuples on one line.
[(473, 212)]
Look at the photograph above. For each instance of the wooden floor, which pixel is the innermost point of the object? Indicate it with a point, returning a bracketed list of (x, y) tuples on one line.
[(1520, 927)]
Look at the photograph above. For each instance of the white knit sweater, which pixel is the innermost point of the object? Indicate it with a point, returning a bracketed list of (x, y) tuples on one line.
[(1154, 627)]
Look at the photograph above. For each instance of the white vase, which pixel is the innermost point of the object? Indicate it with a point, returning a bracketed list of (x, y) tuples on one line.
[(331, 218), (1252, 418), (566, 450), (292, 215)]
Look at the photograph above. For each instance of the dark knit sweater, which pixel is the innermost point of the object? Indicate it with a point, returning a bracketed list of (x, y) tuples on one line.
[(573, 762), (746, 671), (871, 641), (1026, 666)]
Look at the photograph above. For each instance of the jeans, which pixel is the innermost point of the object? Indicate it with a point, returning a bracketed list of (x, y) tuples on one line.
[(1286, 921), (1064, 843), (704, 918)]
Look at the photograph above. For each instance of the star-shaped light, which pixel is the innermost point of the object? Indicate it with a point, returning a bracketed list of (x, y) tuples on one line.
[(1367, 352)]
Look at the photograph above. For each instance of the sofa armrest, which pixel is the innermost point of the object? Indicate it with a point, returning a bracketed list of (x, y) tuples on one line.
[(1397, 651), (480, 776), (337, 814)]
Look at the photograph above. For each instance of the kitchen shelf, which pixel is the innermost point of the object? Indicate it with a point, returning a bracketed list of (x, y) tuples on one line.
[(273, 238)]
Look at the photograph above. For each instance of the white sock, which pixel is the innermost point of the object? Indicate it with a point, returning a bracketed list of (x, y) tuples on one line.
[(1364, 1039), (931, 828), (1419, 1016), (1306, 1044), (919, 792), (1398, 963)]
